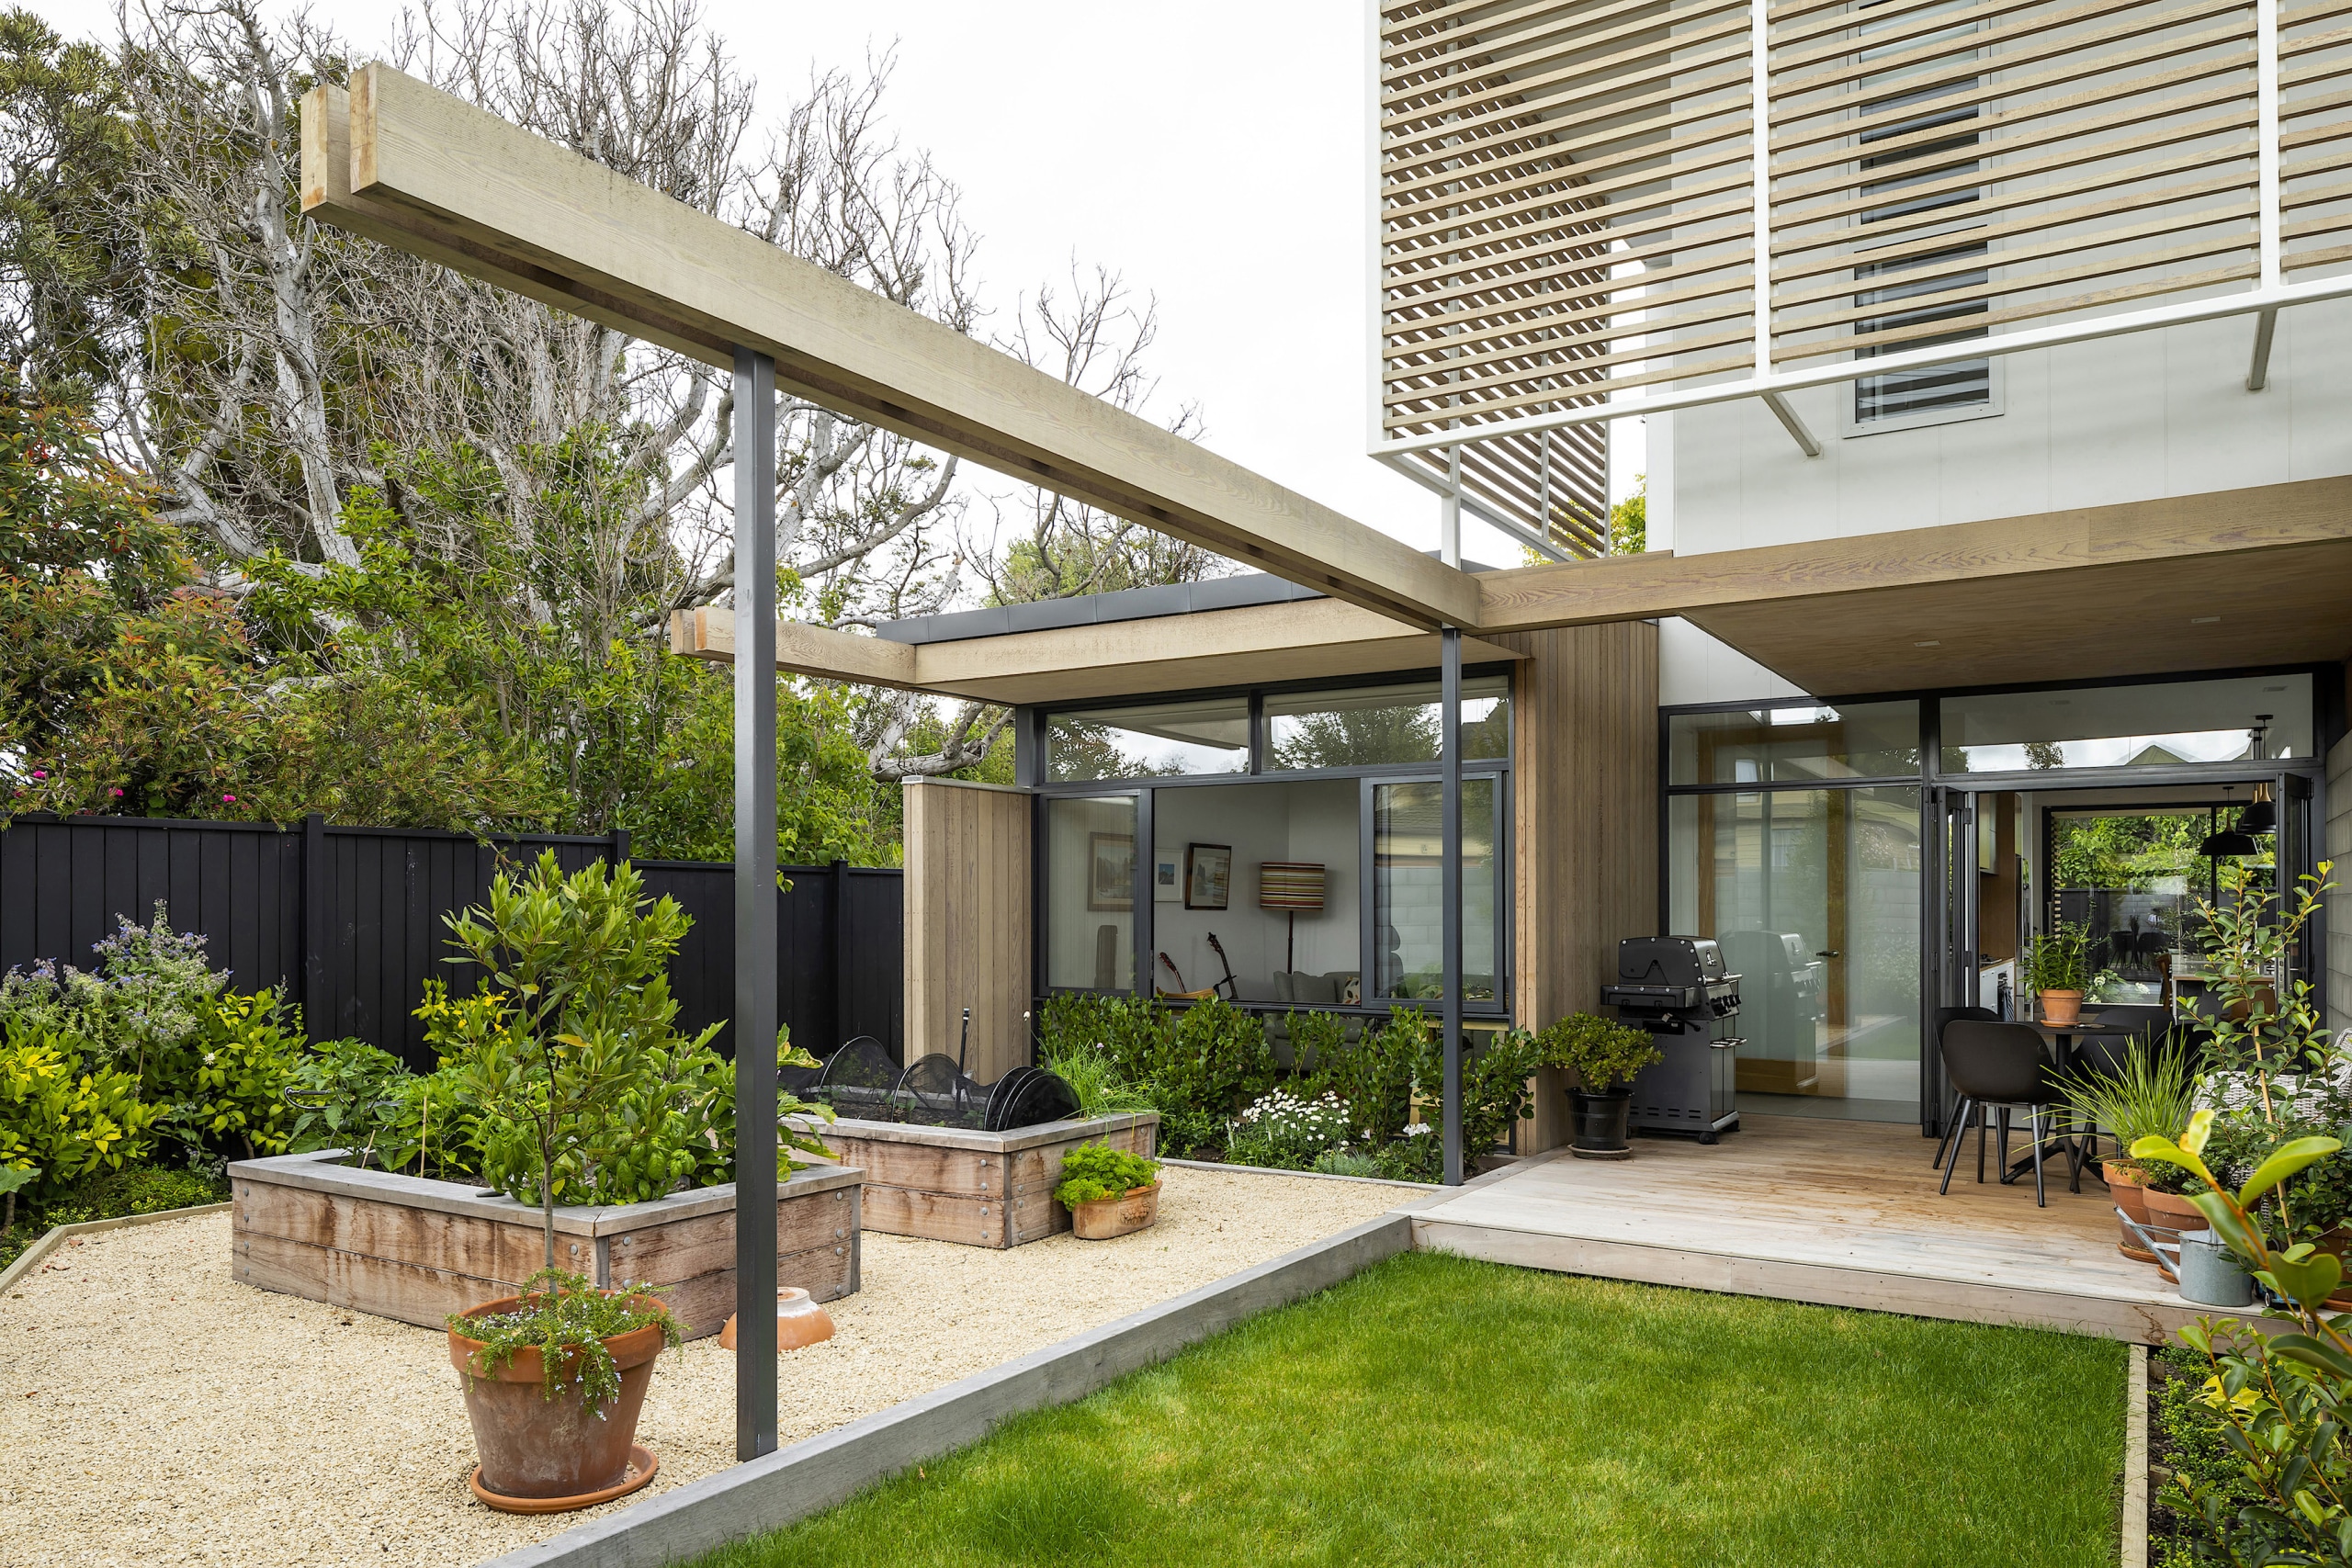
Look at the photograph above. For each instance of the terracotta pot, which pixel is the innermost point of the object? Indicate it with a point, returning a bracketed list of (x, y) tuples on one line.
[(2062, 1007), (2127, 1184), (1106, 1217), (1600, 1121), (798, 1321), (539, 1448), (2173, 1211)]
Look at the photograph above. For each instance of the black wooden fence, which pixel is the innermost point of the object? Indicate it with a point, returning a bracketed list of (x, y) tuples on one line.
[(348, 921)]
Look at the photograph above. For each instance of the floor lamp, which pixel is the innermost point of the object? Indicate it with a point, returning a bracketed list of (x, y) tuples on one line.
[(1290, 886)]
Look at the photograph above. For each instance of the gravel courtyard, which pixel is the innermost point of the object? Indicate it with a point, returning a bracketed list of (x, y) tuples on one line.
[(155, 1411)]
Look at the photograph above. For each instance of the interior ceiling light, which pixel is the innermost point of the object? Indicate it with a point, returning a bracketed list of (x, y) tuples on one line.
[(2202, 620), (1938, 643), (2230, 843)]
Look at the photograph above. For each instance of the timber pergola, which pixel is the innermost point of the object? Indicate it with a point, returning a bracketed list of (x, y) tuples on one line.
[(2237, 580), (402, 162)]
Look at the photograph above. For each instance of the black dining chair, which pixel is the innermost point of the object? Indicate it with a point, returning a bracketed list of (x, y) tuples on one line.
[(1940, 1021), (1999, 1067)]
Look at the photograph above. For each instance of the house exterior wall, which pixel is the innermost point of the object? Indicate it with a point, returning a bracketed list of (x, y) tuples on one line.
[(967, 921), (2153, 415), (1586, 822)]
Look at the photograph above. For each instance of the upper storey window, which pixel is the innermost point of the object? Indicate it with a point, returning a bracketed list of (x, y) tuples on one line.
[(1916, 170)]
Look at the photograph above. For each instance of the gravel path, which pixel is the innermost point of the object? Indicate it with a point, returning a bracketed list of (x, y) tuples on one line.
[(153, 1412)]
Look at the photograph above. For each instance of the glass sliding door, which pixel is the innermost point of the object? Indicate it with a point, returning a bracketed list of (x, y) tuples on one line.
[(1815, 897), (1407, 867)]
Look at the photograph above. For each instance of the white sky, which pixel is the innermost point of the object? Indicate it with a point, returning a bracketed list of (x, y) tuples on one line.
[(1213, 152)]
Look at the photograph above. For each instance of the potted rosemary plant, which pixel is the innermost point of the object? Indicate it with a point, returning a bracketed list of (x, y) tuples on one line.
[(2057, 970), (1606, 1056)]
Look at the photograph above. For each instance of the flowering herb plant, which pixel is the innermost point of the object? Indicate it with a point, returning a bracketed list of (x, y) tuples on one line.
[(567, 1320)]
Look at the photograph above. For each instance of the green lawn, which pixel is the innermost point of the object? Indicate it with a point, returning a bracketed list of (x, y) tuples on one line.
[(1434, 1410)]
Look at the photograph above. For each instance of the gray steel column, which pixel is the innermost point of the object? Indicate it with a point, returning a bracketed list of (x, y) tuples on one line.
[(755, 905), (1450, 895)]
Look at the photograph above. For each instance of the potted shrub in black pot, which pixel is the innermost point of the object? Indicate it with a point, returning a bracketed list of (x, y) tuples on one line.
[(1606, 1056)]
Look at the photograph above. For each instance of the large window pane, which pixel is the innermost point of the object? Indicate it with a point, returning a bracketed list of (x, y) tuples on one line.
[(1384, 724), (1211, 736), (1296, 938), (2127, 726), (1091, 893), (1815, 896), (1407, 869), (1794, 745)]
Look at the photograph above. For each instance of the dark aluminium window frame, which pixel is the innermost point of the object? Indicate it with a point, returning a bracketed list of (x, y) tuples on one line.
[(1030, 763), (2330, 723)]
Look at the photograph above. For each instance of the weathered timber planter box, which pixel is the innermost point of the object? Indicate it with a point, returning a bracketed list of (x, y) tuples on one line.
[(979, 1188), (406, 1248)]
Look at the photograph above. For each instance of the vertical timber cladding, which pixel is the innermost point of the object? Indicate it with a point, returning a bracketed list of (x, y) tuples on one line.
[(1585, 824), (967, 921)]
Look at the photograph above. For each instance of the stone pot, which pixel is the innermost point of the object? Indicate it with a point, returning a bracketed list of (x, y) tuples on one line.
[(2128, 1185), (539, 1452), (1100, 1219), (2062, 1007), (1600, 1124)]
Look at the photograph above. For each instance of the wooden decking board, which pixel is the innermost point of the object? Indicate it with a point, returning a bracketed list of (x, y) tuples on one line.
[(1836, 1213)]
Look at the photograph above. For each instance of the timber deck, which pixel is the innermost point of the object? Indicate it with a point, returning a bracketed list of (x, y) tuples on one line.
[(1841, 1213)]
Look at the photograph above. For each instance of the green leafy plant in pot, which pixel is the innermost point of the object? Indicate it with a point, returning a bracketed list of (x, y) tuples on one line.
[(1606, 1056), (575, 1013), (2058, 969), (2151, 1092)]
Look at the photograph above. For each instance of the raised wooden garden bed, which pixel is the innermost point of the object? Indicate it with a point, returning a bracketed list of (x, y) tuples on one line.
[(979, 1188), (405, 1248)]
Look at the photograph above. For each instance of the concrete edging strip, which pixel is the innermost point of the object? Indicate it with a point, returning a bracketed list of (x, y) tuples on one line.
[(776, 1490), (2134, 1533), (58, 1234)]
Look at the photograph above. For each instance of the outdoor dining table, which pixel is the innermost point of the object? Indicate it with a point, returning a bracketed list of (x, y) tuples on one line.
[(2061, 1038)]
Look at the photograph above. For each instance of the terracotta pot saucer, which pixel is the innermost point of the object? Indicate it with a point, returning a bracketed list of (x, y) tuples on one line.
[(642, 1464)]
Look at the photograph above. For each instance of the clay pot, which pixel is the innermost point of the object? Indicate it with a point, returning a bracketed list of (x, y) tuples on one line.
[(2127, 1184), (2062, 1007), (798, 1321), (1600, 1123), (538, 1449), (2173, 1211), (1103, 1218)]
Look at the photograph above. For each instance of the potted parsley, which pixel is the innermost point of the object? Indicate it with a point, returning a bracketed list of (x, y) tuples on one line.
[(1108, 1191)]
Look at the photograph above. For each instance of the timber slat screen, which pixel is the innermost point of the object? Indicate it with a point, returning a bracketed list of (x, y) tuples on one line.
[(348, 921), (1569, 204)]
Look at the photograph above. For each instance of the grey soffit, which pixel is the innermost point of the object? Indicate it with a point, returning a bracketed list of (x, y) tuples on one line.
[(1096, 609)]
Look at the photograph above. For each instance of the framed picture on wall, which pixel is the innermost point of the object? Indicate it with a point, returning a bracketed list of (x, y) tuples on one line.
[(1111, 871), (1208, 877), (1167, 876)]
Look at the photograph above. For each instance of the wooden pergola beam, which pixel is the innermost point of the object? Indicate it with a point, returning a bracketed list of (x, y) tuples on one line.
[(398, 162), (1245, 646)]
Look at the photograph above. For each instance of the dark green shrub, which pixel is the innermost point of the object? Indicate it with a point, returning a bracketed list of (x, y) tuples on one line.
[(1216, 1059), (1373, 1073), (1192, 1134), (1317, 1039), (1129, 1032), (1417, 1155)]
